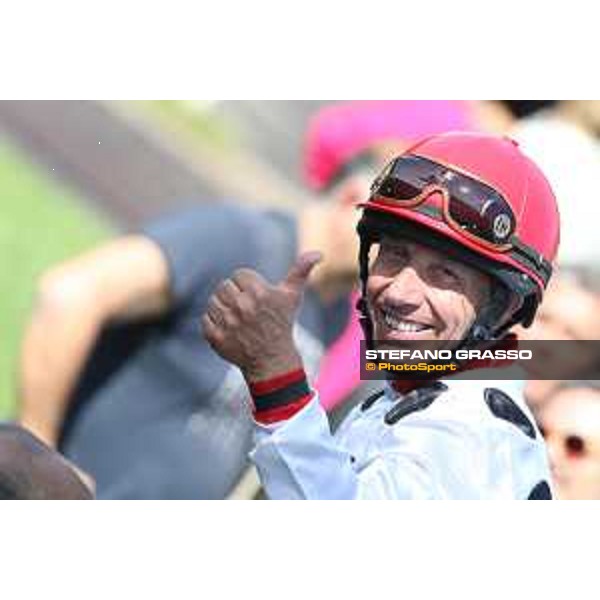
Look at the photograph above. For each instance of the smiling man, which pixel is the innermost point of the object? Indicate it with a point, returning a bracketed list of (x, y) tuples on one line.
[(405, 309), (456, 238)]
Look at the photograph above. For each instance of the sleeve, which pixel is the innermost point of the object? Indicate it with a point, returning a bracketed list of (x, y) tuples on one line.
[(198, 244), (300, 459)]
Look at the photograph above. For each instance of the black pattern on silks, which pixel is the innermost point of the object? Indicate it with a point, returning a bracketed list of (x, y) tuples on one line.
[(371, 400), (414, 401), (540, 492), (504, 407)]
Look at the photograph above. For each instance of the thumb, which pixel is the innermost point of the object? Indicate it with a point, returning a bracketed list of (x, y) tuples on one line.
[(300, 271)]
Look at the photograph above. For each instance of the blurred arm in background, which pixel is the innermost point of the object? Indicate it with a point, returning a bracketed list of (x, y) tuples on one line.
[(123, 280)]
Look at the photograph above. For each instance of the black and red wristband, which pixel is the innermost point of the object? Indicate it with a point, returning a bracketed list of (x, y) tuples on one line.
[(281, 397)]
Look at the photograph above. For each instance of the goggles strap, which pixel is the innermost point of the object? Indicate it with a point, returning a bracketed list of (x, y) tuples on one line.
[(520, 252), (533, 261)]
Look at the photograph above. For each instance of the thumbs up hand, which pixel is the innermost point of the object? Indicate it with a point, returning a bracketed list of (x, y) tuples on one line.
[(249, 321)]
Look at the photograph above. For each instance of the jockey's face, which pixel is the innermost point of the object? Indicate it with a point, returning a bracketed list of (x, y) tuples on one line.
[(417, 293)]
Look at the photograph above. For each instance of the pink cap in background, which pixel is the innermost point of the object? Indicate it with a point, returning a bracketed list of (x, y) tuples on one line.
[(341, 131)]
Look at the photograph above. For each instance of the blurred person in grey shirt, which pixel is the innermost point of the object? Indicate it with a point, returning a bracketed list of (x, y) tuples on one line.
[(113, 370)]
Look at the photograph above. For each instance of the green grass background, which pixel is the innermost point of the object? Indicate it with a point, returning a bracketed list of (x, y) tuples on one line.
[(41, 223)]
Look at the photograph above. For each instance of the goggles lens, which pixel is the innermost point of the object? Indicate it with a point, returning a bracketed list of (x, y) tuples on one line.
[(472, 205)]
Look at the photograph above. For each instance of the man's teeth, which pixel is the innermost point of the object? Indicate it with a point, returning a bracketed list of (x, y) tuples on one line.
[(400, 325)]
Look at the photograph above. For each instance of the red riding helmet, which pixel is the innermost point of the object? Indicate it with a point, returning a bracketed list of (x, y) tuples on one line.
[(480, 199)]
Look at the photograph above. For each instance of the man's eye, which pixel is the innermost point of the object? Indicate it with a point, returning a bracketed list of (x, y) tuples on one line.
[(449, 273), (397, 252)]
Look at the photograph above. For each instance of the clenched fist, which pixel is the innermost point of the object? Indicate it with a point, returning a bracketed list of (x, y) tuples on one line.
[(249, 322)]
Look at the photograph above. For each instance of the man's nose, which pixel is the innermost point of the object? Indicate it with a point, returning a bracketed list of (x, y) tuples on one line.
[(408, 285)]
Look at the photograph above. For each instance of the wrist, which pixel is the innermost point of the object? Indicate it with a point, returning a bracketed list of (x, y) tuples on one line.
[(271, 367), (280, 398)]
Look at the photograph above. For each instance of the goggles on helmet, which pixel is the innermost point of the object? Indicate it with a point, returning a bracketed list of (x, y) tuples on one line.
[(471, 207)]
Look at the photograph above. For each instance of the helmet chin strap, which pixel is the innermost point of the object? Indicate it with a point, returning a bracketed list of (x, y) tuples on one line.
[(362, 305), (487, 327)]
